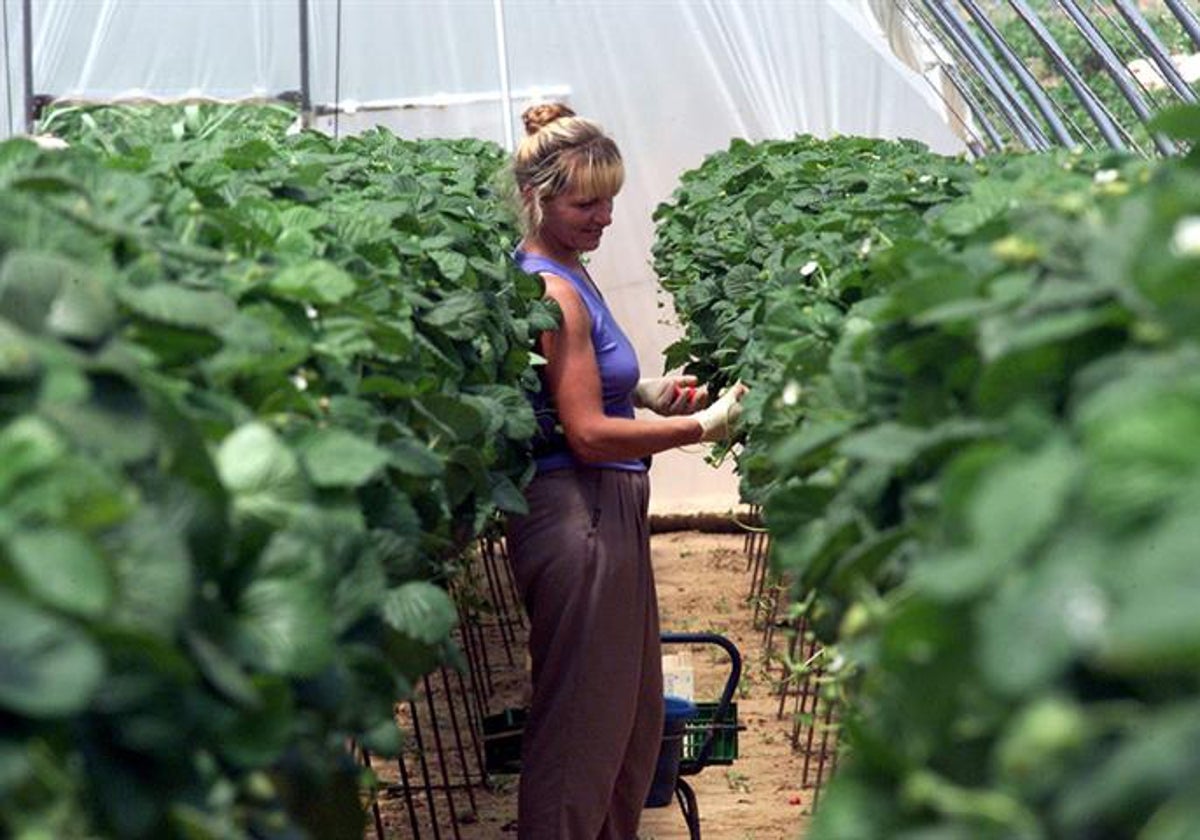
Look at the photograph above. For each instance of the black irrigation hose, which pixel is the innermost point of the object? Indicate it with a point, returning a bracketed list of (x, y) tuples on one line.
[(976, 143), (1091, 103), (997, 85), (999, 79), (1043, 102), (986, 124), (981, 106), (1116, 69), (968, 84), (1187, 18), (1157, 50)]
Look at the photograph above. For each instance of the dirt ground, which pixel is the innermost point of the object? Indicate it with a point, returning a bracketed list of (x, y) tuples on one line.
[(703, 585)]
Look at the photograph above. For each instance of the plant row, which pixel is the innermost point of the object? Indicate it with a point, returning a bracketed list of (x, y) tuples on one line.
[(973, 424), (258, 390)]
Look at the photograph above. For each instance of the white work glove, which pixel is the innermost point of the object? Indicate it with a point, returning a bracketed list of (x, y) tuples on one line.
[(716, 420), (670, 395)]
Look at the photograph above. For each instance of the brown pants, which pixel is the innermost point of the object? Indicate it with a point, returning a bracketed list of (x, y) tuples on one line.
[(581, 558)]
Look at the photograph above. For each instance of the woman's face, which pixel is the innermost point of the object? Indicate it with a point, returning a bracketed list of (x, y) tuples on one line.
[(575, 222)]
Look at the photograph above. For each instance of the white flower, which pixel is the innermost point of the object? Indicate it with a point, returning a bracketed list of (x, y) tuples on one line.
[(1106, 176), (924, 179), (1185, 242), (791, 393), (808, 268), (300, 382), (1085, 611), (311, 312), (865, 248)]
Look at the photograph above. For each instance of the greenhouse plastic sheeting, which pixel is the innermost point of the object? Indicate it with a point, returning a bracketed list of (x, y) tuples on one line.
[(672, 80)]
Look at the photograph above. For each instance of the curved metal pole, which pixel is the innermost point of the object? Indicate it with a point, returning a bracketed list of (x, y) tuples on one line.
[(1156, 49), (975, 144), (980, 114), (978, 107), (1087, 97), (1025, 134), (1043, 102), (1116, 69), (1187, 18), (997, 75)]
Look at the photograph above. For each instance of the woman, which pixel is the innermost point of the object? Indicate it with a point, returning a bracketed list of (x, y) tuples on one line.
[(581, 556)]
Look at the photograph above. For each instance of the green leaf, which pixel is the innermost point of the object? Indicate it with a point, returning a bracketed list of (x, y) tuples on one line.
[(338, 458), (1179, 121), (38, 290), (261, 472), (48, 667), (507, 496), (27, 445), (314, 282), (63, 570), (1151, 761), (259, 734), (1012, 510), (1039, 620), (113, 422), (152, 571), (421, 611), (1154, 626), (459, 314), (988, 200), (221, 669), (460, 418), (286, 625), (415, 458), (451, 264), (179, 306)]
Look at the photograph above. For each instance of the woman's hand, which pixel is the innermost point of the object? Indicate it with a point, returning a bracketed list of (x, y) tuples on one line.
[(670, 395), (717, 420)]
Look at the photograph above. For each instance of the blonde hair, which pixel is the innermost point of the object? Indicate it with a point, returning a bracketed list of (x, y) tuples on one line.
[(561, 153)]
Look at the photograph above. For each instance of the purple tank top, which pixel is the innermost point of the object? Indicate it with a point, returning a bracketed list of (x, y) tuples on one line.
[(615, 358)]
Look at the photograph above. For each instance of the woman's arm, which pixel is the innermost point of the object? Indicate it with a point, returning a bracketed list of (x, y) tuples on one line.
[(574, 381)]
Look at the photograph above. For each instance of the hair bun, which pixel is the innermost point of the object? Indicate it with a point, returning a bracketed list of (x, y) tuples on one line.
[(537, 117)]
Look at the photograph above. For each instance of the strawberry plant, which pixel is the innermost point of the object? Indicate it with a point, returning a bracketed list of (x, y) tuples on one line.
[(981, 487), (258, 393)]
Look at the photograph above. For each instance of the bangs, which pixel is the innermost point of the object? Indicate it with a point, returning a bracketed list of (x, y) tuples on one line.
[(596, 174)]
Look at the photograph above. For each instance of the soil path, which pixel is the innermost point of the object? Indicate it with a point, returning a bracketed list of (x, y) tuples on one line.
[(703, 585)]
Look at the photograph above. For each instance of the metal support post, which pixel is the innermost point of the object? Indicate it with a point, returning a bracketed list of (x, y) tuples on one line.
[(505, 84), (27, 58), (305, 78)]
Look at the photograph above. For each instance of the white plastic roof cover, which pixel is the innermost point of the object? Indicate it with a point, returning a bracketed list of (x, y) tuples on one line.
[(672, 81)]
